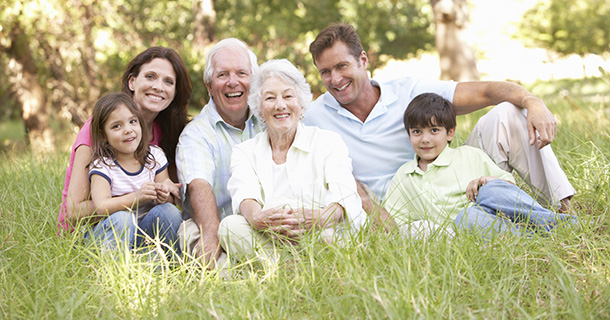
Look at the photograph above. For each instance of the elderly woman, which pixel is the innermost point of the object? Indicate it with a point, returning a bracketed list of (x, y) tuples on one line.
[(291, 180)]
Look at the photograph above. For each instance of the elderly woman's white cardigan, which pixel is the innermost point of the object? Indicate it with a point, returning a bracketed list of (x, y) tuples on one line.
[(318, 168)]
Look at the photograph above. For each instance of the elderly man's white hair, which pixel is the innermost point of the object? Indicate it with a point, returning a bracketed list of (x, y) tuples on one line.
[(287, 72), (228, 43)]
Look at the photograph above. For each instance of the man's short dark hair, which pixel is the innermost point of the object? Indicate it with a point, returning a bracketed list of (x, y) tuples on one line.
[(430, 109), (332, 34)]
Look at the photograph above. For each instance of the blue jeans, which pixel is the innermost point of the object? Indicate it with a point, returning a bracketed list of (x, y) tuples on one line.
[(517, 207), (162, 221)]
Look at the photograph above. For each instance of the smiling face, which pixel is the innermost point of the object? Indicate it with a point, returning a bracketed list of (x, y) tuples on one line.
[(429, 142), (123, 132), (343, 75), (280, 106), (154, 87), (230, 85)]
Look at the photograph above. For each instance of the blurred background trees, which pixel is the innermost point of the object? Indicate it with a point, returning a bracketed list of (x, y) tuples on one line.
[(568, 26), (59, 56)]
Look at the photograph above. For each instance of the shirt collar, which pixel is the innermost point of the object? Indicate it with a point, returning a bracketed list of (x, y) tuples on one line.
[(387, 96), (216, 118), (303, 140), (443, 160)]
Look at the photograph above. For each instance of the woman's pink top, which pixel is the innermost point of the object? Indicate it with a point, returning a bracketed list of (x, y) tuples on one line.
[(84, 138)]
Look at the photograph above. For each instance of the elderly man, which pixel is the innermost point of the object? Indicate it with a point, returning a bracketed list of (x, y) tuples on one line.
[(369, 117), (204, 150)]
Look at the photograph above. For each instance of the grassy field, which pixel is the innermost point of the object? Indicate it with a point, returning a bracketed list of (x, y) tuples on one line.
[(564, 275)]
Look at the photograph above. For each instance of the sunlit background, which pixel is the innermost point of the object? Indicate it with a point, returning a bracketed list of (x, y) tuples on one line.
[(500, 55)]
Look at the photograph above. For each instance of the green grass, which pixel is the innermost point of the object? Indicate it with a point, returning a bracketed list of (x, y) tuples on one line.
[(564, 275), (12, 135)]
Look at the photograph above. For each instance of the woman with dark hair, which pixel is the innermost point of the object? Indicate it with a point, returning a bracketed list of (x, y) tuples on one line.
[(161, 87), (173, 118)]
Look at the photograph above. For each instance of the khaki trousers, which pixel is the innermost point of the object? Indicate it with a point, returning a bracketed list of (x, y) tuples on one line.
[(189, 236), (240, 240), (502, 134)]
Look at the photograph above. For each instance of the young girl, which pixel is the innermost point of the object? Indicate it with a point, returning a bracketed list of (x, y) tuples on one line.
[(129, 180)]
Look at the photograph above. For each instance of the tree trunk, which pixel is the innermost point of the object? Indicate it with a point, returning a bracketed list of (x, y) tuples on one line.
[(456, 54), (91, 70), (205, 24), (73, 104), (30, 94)]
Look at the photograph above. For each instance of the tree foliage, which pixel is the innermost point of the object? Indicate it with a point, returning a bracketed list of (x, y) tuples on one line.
[(285, 28), (568, 26), (79, 48)]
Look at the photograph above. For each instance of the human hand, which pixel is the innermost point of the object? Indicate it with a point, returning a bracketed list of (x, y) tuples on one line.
[(310, 219), (382, 220), (541, 120), (472, 190), (274, 219), (147, 193), (174, 188), (300, 221), (162, 192), (208, 250)]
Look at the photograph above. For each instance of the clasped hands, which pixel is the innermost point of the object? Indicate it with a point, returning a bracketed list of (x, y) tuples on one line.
[(159, 192), (286, 223)]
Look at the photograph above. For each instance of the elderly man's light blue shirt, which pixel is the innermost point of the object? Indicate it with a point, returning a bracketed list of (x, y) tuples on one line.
[(379, 145), (204, 152)]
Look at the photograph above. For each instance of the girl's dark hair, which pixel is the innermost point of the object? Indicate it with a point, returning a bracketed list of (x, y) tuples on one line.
[(430, 109), (100, 147), (175, 117)]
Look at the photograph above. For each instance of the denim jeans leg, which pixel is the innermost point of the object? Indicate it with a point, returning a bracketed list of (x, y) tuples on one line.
[(163, 221), (483, 223), (120, 225), (501, 196)]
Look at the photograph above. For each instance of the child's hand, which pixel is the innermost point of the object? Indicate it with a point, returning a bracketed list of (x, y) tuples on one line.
[(472, 190), (162, 192), (147, 192), (174, 188)]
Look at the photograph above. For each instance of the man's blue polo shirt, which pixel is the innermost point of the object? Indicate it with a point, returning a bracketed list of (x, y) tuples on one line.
[(379, 145)]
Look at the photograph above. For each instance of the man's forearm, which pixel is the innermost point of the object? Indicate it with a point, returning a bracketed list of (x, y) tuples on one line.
[(205, 215), (203, 202), (372, 207), (472, 96)]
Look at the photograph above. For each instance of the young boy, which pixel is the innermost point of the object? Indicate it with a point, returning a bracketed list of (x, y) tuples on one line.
[(462, 185)]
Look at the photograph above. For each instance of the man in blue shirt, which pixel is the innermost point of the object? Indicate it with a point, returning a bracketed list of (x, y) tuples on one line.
[(368, 116)]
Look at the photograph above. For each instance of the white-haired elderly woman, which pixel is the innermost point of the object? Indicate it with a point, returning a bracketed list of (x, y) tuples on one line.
[(290, 180)]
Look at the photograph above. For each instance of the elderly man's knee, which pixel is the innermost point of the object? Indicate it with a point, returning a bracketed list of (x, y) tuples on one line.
[(232, 225)]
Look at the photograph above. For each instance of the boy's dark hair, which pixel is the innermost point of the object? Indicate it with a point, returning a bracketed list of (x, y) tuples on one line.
[(340, 32), (429, 107)]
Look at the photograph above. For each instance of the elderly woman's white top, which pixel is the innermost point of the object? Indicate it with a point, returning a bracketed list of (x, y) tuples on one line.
[(318, 167)]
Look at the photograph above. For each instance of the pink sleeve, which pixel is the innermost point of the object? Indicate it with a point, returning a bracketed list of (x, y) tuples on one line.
[(156, 140), (83, 138)]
